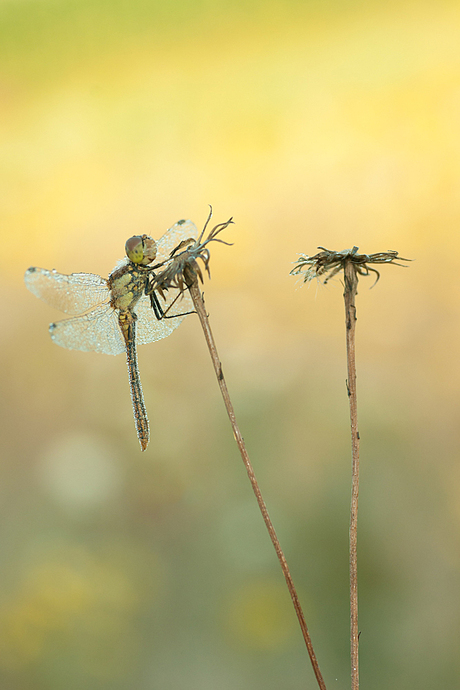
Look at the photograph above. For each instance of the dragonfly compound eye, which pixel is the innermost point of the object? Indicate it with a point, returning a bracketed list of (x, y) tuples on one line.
[(134, 248)]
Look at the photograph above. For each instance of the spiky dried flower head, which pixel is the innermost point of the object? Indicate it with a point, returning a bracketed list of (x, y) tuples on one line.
[(182, 267), (328, 263)]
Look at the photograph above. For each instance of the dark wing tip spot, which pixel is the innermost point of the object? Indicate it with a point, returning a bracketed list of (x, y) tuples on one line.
[(181, 222), (32, 269)]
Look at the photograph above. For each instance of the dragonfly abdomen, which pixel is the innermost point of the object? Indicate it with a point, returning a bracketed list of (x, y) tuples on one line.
[(127, 321)]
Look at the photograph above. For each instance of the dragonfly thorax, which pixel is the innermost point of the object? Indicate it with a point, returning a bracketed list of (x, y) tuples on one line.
[(127, 285)]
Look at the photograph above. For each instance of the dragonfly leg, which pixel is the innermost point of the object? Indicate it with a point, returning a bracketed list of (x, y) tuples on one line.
[(158, 310), (156, 306)]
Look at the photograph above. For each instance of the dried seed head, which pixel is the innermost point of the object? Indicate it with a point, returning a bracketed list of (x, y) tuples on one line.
[(328, 263), (183, 269)]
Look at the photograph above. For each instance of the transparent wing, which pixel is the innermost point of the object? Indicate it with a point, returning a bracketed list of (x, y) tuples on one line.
[(181, 230), (72, 293), (149, 328), (96, 331)]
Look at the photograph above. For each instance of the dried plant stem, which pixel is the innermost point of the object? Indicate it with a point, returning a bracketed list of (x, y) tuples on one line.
[(350, 292), (201, 310)]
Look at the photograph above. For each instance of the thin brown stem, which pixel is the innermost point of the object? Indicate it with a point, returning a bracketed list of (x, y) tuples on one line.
[(201, 311), (351, 286)]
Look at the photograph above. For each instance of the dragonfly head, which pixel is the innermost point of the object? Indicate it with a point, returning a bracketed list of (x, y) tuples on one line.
[(141, 249)]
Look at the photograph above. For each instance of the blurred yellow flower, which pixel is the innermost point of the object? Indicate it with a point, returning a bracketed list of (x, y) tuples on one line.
[(84, 605), (259, 615)]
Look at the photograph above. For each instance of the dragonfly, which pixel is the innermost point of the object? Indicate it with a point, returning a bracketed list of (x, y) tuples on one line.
[(115, 314)]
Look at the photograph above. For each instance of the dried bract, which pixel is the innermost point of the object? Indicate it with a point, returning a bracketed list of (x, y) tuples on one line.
[(182, 267), (328, 263)]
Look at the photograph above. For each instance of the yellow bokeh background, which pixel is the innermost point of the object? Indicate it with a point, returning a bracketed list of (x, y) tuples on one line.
[(311, 123)]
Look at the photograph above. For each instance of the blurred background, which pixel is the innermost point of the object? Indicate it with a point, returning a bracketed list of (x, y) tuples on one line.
[(311, 123)]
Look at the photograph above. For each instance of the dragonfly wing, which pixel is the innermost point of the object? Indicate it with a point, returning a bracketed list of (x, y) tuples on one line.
[(182, 230), (149, 328), (96, 331), (72, 293)]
